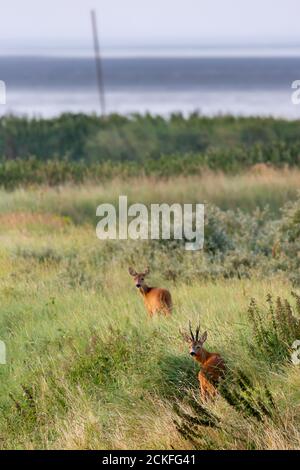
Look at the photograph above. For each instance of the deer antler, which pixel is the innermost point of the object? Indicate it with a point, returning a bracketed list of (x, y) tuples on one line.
[(192, 335), (197, 332)]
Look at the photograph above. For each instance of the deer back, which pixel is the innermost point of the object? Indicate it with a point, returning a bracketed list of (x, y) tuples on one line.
[(157, 298)]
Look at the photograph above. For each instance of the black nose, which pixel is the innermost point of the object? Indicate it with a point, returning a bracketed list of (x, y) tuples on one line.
[(192, 353), (138, 285)]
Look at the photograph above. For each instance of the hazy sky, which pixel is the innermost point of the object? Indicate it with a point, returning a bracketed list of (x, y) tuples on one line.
[(66, 22)]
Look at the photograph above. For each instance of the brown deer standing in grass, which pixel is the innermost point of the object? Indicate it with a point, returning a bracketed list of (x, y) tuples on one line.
[(212, 364), (156, 299)]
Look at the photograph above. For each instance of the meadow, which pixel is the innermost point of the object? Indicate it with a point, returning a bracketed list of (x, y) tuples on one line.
[(87, 369)]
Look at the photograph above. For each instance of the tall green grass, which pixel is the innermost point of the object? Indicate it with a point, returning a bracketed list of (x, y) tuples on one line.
[(87, 369), (246, 191)]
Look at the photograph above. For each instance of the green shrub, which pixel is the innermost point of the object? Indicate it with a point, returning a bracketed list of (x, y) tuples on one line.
[(156, 145), (276, 327), (249, 401)]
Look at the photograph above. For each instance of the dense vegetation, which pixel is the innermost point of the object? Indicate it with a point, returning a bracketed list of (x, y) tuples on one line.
[(85, 367), (80, 147)]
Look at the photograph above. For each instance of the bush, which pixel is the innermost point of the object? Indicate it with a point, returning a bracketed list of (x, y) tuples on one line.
[(202, 427), (223, 143), (276, 328)]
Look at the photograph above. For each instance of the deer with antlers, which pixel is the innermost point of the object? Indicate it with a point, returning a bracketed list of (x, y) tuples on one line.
[(212, 364), (156, 299)]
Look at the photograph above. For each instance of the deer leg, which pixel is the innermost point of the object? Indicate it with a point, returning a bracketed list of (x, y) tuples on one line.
[(166, 310), (166, 307), (150, 312), (207, 390)]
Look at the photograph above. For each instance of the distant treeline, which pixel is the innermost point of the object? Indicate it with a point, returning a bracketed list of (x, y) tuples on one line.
[(77, 146)]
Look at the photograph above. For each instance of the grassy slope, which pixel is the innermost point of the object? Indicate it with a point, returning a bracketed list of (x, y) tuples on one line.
[(86, 367)]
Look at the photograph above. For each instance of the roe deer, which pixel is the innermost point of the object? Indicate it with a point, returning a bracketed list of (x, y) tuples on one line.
[(156, 299), (212, 364)]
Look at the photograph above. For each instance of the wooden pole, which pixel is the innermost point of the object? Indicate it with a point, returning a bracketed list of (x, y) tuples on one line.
[(99, 72)]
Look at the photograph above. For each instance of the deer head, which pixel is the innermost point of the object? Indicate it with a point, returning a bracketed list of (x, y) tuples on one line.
[(195, 341), (139, 278)]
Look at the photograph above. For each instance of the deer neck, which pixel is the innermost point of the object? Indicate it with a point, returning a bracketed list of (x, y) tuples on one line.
[(202, 356), (144, 290)]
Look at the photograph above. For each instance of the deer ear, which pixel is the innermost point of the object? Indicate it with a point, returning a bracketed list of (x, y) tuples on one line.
[(203, 337), (147, 271), (131, 271)]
